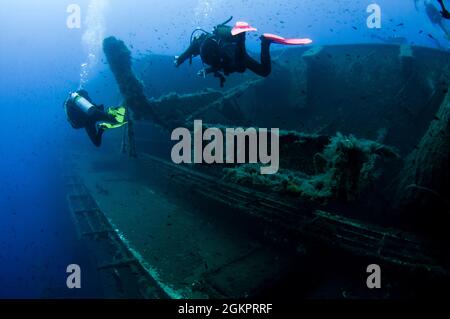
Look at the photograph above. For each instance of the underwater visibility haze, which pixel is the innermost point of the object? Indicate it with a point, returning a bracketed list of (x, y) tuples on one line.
[(108, 110)]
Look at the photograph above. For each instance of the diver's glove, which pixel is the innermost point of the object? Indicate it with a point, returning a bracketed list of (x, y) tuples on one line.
[(202, 73)]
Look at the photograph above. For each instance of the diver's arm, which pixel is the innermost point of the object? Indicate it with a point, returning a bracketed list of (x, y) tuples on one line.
[(192, 51)]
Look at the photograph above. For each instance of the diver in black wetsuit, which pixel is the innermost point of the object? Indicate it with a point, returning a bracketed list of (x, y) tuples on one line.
[(445, 14), (83, 113), (438, 18), (225, 54)]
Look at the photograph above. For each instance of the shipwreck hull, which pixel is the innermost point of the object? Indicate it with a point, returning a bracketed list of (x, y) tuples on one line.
[(189, 231), (387, 92), (159, 230)]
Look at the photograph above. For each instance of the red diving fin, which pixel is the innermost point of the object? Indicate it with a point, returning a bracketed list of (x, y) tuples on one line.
[(280, 40), (241, 27)]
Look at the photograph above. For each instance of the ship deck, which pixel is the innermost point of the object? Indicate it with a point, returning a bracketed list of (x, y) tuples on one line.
[(188, 252), (188, 235)]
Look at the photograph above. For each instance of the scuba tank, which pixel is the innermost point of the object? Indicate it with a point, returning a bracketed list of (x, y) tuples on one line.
[(212, 48), (212, 45), (223, 31), (77, 107), (81, 102)]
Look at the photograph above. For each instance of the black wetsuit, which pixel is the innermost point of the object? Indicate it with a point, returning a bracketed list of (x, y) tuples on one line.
[(445, 14), (226, 54), (79, 119)]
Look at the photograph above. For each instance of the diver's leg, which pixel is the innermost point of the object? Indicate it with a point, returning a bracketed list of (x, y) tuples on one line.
[(95, 134), (241, 53), (265, 67), (444, 12), (96, 114)]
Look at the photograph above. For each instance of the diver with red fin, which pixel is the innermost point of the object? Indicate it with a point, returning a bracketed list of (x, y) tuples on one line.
[(224, 51)]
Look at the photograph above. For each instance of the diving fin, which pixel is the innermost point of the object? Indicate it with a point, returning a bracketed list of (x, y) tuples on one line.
[(242, 27), (118, 113), (280, 40), (107, 126)]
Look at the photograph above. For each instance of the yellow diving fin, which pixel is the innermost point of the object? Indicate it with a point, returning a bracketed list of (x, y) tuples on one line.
[(119, 114)]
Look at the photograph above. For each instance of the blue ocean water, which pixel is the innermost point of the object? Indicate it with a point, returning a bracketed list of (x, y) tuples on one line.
[(41, 60)]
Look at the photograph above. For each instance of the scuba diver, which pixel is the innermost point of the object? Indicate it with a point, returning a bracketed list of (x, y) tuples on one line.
[(83, 113), (445, 14), (224, 50), (437, 18)]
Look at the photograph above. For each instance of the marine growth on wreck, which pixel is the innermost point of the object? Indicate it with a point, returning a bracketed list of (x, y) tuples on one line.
[(225, 151), (363, 148)]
